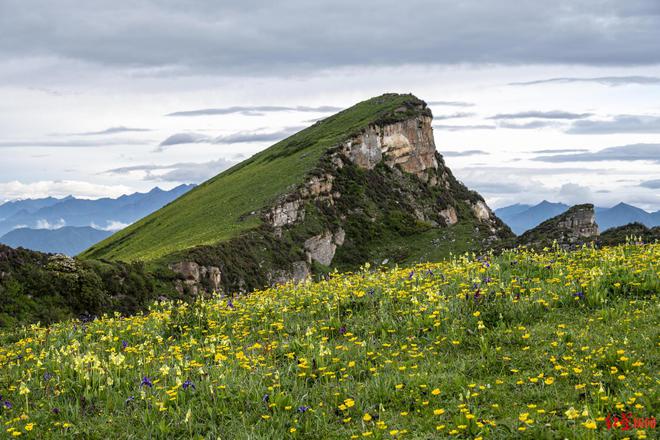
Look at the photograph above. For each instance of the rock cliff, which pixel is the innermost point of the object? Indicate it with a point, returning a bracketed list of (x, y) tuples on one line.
[(370, 198), (575, 226)]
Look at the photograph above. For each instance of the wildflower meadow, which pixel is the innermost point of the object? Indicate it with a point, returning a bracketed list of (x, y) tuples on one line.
[(552, 344)]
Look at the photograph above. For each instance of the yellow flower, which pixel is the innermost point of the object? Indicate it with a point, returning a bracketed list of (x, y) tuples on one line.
[(477, 313), (23, 389), (435, 392), (366, 417), (549, 380), (438, 412), (590, 424), (572, 413), (29, 426)]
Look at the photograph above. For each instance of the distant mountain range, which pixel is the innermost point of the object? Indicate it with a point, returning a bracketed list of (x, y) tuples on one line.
[(522, 217), (70, 225), (68, 240)]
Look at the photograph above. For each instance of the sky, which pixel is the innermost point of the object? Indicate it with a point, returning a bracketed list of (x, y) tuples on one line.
[(532, 100)]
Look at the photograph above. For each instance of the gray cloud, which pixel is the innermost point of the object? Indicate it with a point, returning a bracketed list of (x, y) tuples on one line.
[(450, 103), (463, 153), (257, 37), (526, 125), (652, 184), (561, 150), (618, 124), (456, 115), (553, 114), (185, 138), (633, 152), (611, 81), (255, 110), (233, 138), (255, 136), (179, 172), (112, 130), (72, 143), (463, 127)]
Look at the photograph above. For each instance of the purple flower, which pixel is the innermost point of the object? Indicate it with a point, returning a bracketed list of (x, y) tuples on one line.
[(146, 382), (55, 411), (124, 344), (303, 408), (411, 275), (230, 304), (579, 295), (129, 400), (47, 376), (7, 404), (342, 329), (266, 398), (188, 384)]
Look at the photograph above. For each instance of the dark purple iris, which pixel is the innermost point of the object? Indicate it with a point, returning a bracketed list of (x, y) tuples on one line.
[(303, 408), (47, 376), (579, 295), (55, 411), (429, 272), (230, 304), (342, 329), (266, 398), (188, 384), (124, 344), (146, 382), (129, 400), (411, 275), (7, 404)]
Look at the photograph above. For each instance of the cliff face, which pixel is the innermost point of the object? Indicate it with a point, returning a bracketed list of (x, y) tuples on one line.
[(575, 226), (367, 199)]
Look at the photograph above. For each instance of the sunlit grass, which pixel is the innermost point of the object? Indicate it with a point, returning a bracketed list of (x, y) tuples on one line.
[(521, 345)]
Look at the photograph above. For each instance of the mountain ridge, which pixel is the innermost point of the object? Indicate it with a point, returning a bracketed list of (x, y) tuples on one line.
[(365, 184), (522, 217)]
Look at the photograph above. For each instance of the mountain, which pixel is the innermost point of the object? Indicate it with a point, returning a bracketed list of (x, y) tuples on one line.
[(105, 213), (364, 185), (68, 240), (521, 218), (636, 232), (13, 207), (575, 226), (622, 214)]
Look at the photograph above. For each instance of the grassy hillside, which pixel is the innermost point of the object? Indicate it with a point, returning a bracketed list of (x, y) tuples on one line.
[(523, 345), (220, 208)]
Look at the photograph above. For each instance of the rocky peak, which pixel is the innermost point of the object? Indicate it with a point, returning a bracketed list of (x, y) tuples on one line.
[(577, 225), (408, 144)]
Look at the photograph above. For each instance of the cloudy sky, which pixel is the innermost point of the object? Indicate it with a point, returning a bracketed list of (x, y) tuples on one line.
[(532, 99)]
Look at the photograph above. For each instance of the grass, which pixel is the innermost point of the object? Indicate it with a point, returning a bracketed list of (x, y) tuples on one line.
[(524, 345), (221, 208)]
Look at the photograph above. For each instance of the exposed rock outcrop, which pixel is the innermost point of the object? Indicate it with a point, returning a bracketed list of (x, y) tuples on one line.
[(575, 226), (383, 182), (197, 278), (321, 248), (408, 144)]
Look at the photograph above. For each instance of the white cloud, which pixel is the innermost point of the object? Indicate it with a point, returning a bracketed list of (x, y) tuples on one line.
[(59, 188), (111, 225), (45, 224)]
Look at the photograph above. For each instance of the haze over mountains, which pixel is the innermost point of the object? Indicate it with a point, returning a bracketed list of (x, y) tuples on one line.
[(522, 217), (70, 225)]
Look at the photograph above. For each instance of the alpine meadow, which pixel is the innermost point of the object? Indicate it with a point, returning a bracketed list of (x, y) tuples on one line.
[(330, 220)]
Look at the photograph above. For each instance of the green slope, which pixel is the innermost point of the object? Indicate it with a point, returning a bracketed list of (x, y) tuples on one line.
[(220, 208)]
